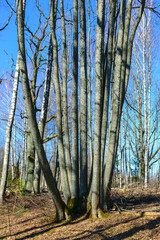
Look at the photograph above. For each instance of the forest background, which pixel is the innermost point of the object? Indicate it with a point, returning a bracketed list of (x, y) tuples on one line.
[(138, 148)]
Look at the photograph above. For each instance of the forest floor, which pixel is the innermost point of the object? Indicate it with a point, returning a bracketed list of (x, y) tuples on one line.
[(136, 215)]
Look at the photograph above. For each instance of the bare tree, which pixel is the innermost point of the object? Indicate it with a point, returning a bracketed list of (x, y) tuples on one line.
[(75, 162), (95, 200), (8, 133), (43, 117), (60, 206), (65, 99), (121, 78), (63, 170), (83, 102)]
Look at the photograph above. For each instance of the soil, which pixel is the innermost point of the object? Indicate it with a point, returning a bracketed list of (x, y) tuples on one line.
[(135, 215)]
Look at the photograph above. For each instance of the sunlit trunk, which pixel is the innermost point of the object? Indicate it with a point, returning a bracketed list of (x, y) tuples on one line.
[(8, 133)]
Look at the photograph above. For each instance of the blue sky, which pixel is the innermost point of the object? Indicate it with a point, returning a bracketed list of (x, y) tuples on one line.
[(8, 37)]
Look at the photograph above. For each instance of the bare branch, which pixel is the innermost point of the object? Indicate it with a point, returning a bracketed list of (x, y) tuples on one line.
[(12, 9), (50, 118), (50, 138)]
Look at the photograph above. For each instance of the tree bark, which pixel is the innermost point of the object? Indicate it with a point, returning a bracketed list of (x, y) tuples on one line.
[(121, 77), (89, 89), (30, 163), (120, 161), (115, 105), (65, 99), (107, 77), (23, 159), (8, 133), (63, 171), (60, 206), (75, 160), (149, 88), (95, 198), (43, 117), (125, 150), (83, 103)]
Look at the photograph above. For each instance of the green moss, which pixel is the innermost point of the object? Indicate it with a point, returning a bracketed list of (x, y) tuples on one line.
[(71, 203), (67, 217), (104, 215), (52, 230), (22, 189), (24, 206), (89, 211), (100, 213), (89, 206)]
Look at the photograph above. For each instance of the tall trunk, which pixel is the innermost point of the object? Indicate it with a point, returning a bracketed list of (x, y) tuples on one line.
[(12, 163), (107, 77), (149, 88), (146, 176), (129, 149), (30, 163), (63, 171), (125, 150), (60, 206), (14, 148), (115, 105), (125, 51), (130, 170), (147, 109), (8, 133), (36, 63), (83, 102), (140, 127), (119, 89), (130, 44), (22, 172), (42, 120), (120, 161), (89, 89), (65, 99), (75, 162), (95, 198)]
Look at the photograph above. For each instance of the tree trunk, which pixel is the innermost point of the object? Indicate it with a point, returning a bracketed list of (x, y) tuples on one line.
[(107, 77), (60, 206), (120, 161), (65, 99), (140, 126), (125, 150), (121, 77), (146, 175), (89, 89), (63, 171), (30, 163), (11, 156), (95, 198), (44, 108), (75, 162), (114, 119), (83, 103), (14, 148), (8, 134), (23, 162), (149, 88)]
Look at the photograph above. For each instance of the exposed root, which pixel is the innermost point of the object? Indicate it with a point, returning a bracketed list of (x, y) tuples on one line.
[(97, 213)]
